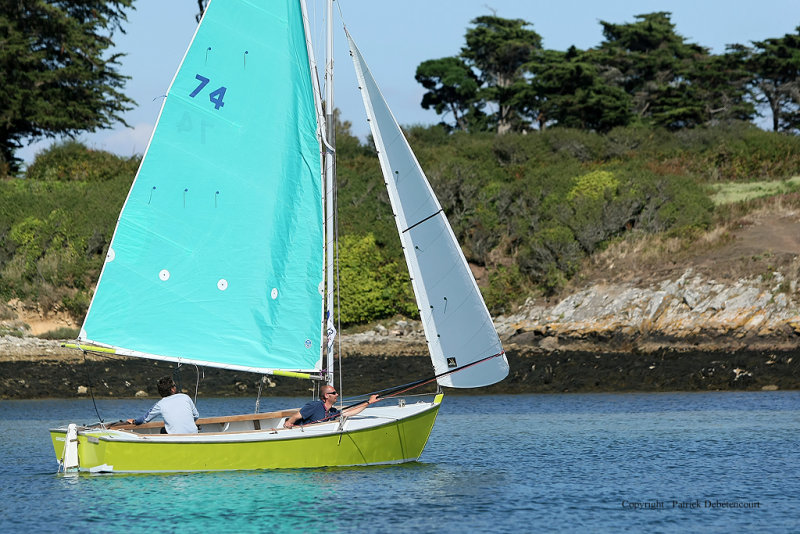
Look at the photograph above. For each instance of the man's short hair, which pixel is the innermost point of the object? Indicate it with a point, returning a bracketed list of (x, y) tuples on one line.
[(165, 386)]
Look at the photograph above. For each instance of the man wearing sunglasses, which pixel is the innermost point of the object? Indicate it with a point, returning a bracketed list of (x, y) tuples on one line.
[(323, 409)]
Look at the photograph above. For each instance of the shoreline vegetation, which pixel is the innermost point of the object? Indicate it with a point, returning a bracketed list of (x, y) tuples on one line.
[(537, 215), (637, 260), (630, 228), (722, 317)]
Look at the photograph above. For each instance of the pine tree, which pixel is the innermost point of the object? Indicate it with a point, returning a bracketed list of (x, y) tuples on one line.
[(56, 74)]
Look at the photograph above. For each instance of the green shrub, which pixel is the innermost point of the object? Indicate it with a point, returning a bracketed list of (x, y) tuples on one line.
[(53, 233), (60, 333), (576, 144), (73, 161), (630, 141), (739, 152), (507, 288), (13, 332), (550, 257), (46, 250), (593, 185), (371, 287), (77, 304), (427, 136)]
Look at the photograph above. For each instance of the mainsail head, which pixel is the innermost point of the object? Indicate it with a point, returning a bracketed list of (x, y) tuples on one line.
[(457, 324), (217, 257)]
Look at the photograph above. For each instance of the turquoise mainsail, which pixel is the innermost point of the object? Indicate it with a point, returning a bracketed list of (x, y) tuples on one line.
[(217, 258)]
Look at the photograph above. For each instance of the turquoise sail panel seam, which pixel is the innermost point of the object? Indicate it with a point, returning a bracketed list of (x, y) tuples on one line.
[(218, 254)]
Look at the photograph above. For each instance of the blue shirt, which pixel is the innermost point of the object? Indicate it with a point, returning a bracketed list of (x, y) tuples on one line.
[(178, 411), (315, 411)]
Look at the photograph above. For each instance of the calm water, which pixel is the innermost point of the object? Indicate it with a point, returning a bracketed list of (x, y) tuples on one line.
[(554, 463)]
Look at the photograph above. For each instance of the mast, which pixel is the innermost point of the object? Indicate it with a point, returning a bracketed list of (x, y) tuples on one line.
[(330, 178)]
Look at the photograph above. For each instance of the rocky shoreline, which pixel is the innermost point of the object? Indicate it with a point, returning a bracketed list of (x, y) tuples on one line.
[(690, 313), (688, 334), (368, 368)]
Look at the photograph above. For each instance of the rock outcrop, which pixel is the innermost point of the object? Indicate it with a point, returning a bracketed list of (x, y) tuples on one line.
[(691, 312), (687, 334)]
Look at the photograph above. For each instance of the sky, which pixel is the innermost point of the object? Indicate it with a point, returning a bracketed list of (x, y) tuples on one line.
[(395, 37)]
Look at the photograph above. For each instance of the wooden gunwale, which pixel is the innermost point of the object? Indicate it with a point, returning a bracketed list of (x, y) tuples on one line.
[(213, 420)]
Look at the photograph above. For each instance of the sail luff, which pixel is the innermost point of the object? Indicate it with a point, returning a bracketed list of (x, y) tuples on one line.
[(313, 66), (457, 324), (82, 334)]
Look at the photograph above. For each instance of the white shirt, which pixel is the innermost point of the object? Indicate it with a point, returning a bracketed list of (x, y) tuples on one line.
[(178, 411)]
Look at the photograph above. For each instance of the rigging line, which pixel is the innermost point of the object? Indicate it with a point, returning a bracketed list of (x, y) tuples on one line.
[(258, 398), (176, 373), (378, 392), (423, 220), (318, 32), (338, 299), (131, 361), (91, 390), (197, 382), (341, 16), (422, 382), (336, 269)]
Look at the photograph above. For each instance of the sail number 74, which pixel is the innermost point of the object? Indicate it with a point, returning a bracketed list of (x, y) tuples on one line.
[(215, 96)]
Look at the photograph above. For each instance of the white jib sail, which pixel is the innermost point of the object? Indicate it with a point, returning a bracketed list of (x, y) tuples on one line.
[(457, 324)]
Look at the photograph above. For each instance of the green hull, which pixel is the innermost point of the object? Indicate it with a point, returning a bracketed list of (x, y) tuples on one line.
[(362, 441)]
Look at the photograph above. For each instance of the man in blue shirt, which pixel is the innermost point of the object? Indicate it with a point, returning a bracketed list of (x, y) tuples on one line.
[(177, 410), (323, 410)]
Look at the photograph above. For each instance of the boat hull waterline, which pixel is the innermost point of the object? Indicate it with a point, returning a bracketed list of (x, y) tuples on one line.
[(379, 435)]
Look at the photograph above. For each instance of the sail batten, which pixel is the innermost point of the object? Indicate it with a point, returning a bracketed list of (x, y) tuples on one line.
[(218, 254), (457, 324)]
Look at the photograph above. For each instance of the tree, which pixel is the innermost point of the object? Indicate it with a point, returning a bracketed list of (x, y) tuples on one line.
[(201, 7), (499, 48), (721, 84), (775, 64), (56, 78), (657, 66), (452, 88), (572, 89)]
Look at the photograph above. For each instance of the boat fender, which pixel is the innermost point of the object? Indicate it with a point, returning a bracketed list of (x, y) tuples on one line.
[(69, 460)]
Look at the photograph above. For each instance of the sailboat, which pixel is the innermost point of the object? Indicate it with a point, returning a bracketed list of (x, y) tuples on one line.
[(223, 257)]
